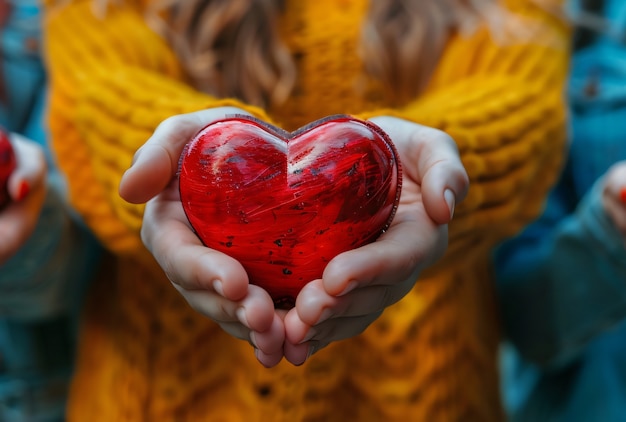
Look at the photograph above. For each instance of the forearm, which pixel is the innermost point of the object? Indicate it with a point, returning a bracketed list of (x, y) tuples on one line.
[(504, 106), (49, 273), (512, 149), (561, 289), (110, 88)]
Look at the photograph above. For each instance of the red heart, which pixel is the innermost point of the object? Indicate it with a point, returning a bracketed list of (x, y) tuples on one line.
[(7, 165), (284, 204)]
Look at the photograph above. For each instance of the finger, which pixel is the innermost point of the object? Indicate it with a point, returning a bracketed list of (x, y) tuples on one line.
[(296, 329), (30, 172), (297, 354), (269, 344), (439, 171), (334, 329), (408, 246), (296, 351), (430, 157), (196, 267), (315, 306), (270, 340), (255, 312), (188, 263), (269, 360), (156, 162)]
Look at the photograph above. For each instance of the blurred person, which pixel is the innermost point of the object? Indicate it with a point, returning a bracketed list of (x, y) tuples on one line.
[(46, 256), (490, 74), (561, 281)]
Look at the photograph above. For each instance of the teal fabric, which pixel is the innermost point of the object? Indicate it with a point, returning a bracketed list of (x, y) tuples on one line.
[(562, 281), (42, 286)]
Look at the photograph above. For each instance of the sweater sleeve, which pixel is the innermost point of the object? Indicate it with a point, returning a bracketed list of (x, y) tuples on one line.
[(502, 102), (113, 80), (573, 258)]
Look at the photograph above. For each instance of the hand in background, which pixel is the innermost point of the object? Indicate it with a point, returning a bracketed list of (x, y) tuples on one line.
[(614, 196), (213, 283), (358, 285), (27, 189)]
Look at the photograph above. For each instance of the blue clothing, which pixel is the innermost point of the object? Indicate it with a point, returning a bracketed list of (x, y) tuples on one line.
[(41, 287), (562, 281)]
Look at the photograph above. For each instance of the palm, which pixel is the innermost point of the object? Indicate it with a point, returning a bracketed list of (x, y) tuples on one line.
[(356, 285)]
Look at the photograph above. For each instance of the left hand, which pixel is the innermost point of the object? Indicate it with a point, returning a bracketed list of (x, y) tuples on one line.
[(358, 285)]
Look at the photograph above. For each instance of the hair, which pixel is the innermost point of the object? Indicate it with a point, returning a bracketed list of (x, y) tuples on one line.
[(204, 33), (401, 42)]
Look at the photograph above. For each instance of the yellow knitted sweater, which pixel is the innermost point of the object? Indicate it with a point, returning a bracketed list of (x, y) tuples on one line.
[(146, 356)]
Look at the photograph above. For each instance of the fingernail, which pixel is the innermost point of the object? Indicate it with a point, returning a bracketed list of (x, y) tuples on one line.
[(450, 199), (253, 339), (241, 315), (622, 195), (217, 286), (23, 191)]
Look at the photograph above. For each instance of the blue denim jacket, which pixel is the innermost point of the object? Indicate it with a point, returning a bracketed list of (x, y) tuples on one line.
[(562, 281)]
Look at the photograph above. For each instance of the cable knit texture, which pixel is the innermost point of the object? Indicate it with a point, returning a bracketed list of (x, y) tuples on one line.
[(146, 356)]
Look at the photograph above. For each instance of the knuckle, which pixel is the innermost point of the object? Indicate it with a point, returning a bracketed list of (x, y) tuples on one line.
[(172, 124)]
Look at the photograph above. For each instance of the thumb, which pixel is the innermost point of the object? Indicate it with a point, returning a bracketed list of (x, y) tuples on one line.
[(156, 162), (444, 186)]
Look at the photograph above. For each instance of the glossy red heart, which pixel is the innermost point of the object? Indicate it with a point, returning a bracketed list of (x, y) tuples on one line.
[(284, 204), (7, 165)]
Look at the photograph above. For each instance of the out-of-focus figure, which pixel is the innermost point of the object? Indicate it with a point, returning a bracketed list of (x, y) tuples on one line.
[(42, 279), (562, 282)]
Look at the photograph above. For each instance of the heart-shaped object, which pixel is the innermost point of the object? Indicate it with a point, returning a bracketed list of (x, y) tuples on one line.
[(284, 204), (7, 165)]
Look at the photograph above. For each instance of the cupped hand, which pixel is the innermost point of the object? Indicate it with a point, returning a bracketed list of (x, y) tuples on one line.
[(614, 196), (211, 282), (358, 285), (27, 190)]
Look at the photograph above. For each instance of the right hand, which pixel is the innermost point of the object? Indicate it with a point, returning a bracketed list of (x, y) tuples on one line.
[(213, 283), (27, 189)]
